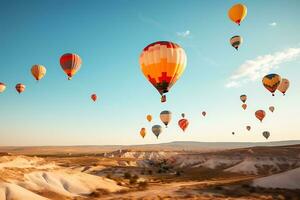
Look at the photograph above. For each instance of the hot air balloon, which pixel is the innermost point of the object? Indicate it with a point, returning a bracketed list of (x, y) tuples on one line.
[(271, 82), (143, 132), (236, 41), (260, 114), (165, 117), (70, 63), (2, 87), (244, 106), (149, 118), (183, 124), (38, 71), (162, 63), (182, 115), (20, 88), (248, 128), (243, 98), (232, 133), (284, 85), (204, 113), (266, 134), (94, 97), (156, 129), (272, 108), (237, 13)]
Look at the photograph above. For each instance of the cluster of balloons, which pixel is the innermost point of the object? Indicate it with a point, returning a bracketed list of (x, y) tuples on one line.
[(166, 117), (70, 63)]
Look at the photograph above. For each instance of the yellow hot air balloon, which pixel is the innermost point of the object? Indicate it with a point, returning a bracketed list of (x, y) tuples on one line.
[(149, 118), (271, 82), (162, 63), (143, 132), (237, 13), (2, 87), (38, 71), (284, 86)]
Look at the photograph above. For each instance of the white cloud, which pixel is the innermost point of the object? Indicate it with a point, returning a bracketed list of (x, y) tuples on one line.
[(273, 24), (251, 70), (183, 34)]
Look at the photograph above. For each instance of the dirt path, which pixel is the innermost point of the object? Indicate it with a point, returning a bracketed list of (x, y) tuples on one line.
[(171, 190)]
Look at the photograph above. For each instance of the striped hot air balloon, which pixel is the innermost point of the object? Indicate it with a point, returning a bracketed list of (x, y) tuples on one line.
[(162, 63), (271, 82), (243, 98), (165, 117), (2, 87), (236, 41), (183, 124), (20, 88), (70, 63), (38, 71), (237, 13)]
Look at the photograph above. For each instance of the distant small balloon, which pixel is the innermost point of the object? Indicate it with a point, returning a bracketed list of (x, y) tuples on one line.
[(94, 97), (248, 128), (232, 133), (204, 113), (182, 115), (143, 132), (183, 124), (260, 114), (272, 108), (244, 106), (38, 71), (2, 87), (149, 118), (165, 117), (243, 98), (156, 129), (284, 86), (266, 134), (20, 88)]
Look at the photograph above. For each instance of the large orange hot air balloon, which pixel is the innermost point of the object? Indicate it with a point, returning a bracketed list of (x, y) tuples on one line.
[(260, 114), (2, 87), (183, 124), (244, 106), (237, 13), (271, 82), (70, 63), (38, 71), (143, 132), (20, 88), (94, 97), (162, 63), (149, 118), (284, 86)]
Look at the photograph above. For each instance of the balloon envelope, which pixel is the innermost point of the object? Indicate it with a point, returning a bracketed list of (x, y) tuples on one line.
[(156, 129), (20, 88), (271, 82), (165, 117), (243, 98), (244, 106), (183, 124), (163, 63), (284, 86), (149, 118), (248, 128), (2, 87), (237, 13), (260, 114), (94, 97), (38, 71), (204, 113), (266, 134), (143, 132), (236, 41), (272, 108), (70, 63)]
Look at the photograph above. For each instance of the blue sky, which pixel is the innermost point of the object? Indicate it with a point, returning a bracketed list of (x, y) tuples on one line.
[(110, 35)]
